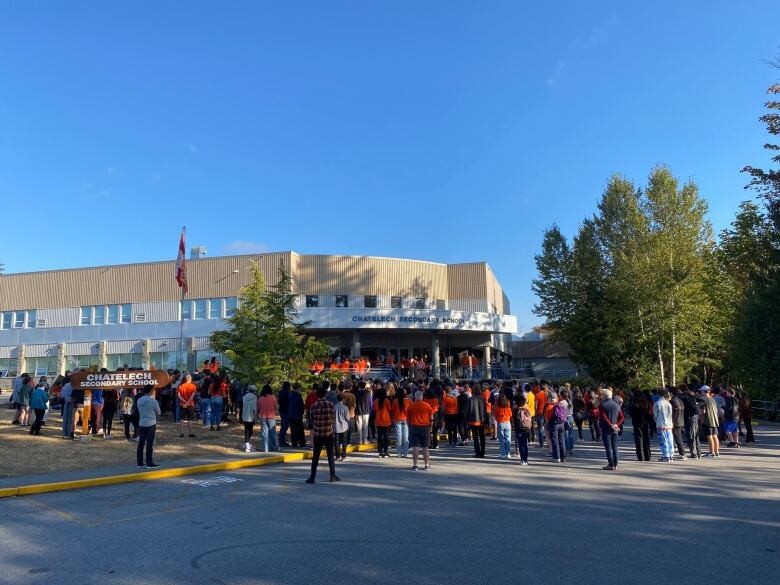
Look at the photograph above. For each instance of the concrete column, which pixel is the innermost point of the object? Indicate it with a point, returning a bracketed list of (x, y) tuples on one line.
[(60, 358), (146, 359), (356, 343), (21, 360), (189, 343), (102, 357), (488, 372), (435, 363)]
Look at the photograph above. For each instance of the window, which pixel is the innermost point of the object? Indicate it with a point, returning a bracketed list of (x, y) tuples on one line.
[(312, 301), (86, 315), (230, 306), (342, 301), (32, 317), (19, 319), (186, 309), (126, 313), (201, 306), (117, 361), (42, 366), (113, 314), (78, 362), (7, 320), (163, 360), (395, 302), (441, 305), (369, 301), (99, 315), (419, 303), (8, 367), (215, 308)]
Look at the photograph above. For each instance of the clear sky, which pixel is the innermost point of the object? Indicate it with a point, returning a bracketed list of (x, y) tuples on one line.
[(446, 131)]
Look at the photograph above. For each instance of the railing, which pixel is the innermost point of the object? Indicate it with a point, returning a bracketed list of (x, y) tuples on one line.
[(768, 410), (531, 374)]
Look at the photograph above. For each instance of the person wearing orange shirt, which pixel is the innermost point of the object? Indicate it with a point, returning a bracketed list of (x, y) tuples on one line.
[(502, 414), (186, 397), (400, 412), (487, 394), (450, 406), (540, 396), (383, 420), (420, 415), (219, 389)]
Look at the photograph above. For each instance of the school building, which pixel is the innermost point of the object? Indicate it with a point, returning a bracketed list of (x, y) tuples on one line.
[(132, 314)]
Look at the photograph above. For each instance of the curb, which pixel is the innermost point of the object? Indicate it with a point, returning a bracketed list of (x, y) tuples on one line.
[(58, 486)]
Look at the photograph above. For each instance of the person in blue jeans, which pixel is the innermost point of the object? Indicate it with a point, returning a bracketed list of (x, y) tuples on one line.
[(610, 419), (400, 411)]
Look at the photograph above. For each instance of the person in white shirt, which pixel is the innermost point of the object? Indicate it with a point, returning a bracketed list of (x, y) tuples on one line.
[(662, 412)]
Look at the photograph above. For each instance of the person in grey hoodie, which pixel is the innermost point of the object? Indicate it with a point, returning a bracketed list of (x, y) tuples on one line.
[(341, 427), (249, 415), (148, 411)]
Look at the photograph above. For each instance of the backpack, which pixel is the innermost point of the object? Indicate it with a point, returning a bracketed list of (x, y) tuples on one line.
[(523, 419), (560, 413), (734, 408)]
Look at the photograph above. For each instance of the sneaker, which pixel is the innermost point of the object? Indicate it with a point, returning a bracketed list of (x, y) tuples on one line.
[(414, 468), (152, 466), (310, 480), (608, 468), (334, 478), (684, 458), (524, 463), (133, 439), (140, 465), (427, 468)]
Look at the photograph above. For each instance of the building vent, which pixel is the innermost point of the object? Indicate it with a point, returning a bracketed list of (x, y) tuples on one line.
[(40, 322), (140, 317), (198, 252)]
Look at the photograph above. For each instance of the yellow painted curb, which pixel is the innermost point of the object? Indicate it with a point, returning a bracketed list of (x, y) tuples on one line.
[(43, 488)]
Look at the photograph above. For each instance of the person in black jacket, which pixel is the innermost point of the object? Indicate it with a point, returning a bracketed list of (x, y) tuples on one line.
[(678, 421), (639, 409), (691, 420), (464, 393), (476, 414)]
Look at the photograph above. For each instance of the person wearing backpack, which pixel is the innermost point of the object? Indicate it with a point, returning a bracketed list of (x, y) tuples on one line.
[(560, 414), (523, 426), (731, 419)]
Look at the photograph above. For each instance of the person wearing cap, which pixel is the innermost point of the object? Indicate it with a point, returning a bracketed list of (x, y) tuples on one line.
[(711, 422), (249, 415)]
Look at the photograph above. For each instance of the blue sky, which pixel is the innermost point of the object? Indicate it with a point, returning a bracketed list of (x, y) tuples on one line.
[(447, 131)]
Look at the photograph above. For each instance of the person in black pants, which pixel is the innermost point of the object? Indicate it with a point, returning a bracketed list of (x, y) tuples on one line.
[(678, 421), (109, 411), (295, 417), (691, 415), (463, 424), (639, 409), (322, 415), (476, 415), (149, 410), (610, 419)]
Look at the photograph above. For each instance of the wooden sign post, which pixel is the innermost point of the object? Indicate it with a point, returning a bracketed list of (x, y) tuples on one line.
[(89, 381)]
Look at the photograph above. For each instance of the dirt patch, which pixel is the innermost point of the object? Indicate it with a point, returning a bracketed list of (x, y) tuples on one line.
[(23, 454)]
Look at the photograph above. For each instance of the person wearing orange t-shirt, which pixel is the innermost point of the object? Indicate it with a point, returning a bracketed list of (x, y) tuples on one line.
[(400, 413), (450, 405), (420, 415), (186, 397), (502, 414), (383, 420), (540, 399)]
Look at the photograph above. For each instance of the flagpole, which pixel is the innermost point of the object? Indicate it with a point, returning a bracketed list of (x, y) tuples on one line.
[(182, 365)]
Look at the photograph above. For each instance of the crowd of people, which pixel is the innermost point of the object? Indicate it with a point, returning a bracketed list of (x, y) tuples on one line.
[(410, 414)]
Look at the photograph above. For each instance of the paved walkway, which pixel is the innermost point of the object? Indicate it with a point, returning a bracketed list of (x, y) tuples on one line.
[(466, 521)]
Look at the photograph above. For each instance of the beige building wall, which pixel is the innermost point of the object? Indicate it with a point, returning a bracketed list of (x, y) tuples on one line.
[(225, 275)]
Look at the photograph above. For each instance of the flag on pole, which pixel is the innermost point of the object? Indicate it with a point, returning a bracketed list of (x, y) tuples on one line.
[(180, 272)]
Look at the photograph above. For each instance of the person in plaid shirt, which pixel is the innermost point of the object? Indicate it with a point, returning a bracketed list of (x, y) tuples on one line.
[(322, 416)]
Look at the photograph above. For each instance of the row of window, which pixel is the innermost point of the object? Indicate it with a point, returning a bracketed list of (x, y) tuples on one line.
[(370, 302), (106, 314), (18, 319), (209, 308)]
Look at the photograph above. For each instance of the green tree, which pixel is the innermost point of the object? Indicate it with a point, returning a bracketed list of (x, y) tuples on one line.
[(265, 339), (552, 287)]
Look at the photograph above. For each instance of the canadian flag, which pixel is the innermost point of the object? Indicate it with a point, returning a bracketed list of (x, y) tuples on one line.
[(180, 273)]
